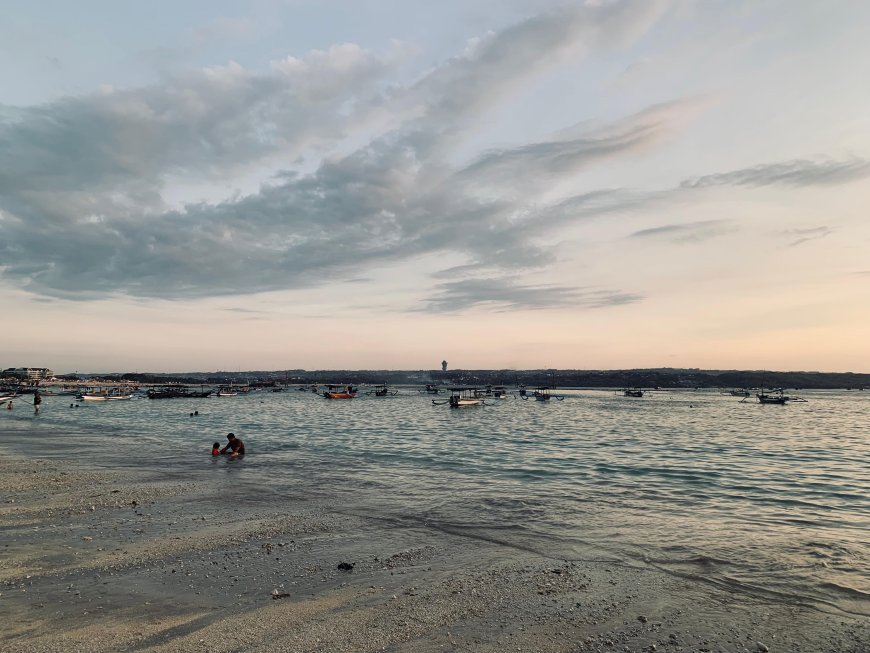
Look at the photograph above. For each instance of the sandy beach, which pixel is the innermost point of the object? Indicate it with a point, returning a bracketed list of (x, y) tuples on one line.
[(108, 561)]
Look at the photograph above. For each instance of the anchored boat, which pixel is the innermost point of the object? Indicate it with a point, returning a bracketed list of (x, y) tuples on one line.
[(339, 392)]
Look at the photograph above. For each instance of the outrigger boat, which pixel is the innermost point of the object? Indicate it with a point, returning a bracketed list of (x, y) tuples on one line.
[(431, 389), (496, 392), (348, 392), (103, 394), (776, 397), (542, 394), (176, 392), (462, 398), (382, 390)]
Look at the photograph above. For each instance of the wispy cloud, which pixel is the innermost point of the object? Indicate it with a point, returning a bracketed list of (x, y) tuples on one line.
[(500, 294), (800, 172), (693, 232), (801, 236)]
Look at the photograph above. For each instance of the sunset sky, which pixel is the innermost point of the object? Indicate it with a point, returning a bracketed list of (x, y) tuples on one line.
[(388, 183)]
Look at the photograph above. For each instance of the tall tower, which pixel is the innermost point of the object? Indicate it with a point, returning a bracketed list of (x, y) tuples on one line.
[(443, 366)]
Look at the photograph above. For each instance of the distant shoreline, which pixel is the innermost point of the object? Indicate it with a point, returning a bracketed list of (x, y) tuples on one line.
[(663, 378)]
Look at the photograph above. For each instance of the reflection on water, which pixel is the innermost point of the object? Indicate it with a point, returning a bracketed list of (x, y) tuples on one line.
[(771, 498)]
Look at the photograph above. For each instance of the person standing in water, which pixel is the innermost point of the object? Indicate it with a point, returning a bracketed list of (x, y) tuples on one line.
[(37, 400)]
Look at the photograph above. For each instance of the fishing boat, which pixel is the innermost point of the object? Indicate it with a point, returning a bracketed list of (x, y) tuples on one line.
[(431, 389), (463, 398), (738, 392), (632, 392), (541, 394), (496, 392), (776, 397), (339, 392), (176, 392), (383, 390), (106, 394), (226, 391)]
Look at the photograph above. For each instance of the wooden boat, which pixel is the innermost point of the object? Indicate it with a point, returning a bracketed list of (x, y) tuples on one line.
[(346, 392), (382, 390), (462, 398), (176, 392), (496, 391), (541, 394), (632, 392), (431, 389), (104, 394), (776, 397)]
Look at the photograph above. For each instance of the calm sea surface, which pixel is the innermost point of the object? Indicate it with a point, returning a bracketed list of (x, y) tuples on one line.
[(773, 500)]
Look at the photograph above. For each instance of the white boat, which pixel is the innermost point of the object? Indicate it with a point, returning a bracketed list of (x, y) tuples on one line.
[(776, 397), (462, 398), (106, 394)]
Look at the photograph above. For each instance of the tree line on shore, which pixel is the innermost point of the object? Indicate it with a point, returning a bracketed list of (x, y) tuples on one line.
[(642, 378)]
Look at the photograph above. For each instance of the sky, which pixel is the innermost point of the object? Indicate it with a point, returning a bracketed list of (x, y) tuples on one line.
[(386, 184)]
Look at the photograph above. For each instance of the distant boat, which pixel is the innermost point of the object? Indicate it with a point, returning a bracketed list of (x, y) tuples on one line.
[(541, 394), (496, 391), (347, 392), (226, 391), (105, 394), (176, 392), (432, 389), (776, 397), (462, 398), (465, 397), (632, 392), (739, 392), (383, 390)]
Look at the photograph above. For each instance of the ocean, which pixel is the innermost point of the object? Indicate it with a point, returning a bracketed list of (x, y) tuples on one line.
[(768, 500)]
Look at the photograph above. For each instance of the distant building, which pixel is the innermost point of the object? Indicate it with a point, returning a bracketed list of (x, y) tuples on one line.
[(443, 366), (28, 373)]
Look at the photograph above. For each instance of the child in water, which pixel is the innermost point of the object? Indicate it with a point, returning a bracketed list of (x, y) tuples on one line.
[(216, 449)]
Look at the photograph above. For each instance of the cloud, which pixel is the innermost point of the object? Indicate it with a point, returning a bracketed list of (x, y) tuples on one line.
[(799, 172), (694, 232), (804, 235), (539, 163), (500, 294), (83, 180)]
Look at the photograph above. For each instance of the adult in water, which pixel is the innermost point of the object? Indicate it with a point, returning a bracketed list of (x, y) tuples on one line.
[(235, 447)]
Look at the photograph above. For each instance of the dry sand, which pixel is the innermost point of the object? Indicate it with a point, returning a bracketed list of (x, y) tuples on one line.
[(96, 561)]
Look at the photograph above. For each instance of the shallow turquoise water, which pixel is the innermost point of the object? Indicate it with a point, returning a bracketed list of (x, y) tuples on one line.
[(767, 499)]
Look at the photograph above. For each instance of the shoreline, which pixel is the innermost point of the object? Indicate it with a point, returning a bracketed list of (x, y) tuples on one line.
[(114, 560)]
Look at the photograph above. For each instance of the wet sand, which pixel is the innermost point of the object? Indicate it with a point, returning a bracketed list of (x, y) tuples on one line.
[(109, 561)]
